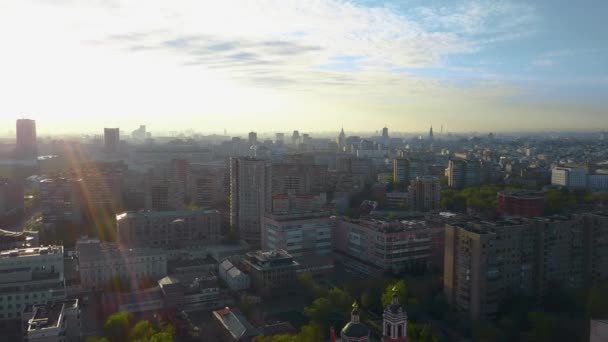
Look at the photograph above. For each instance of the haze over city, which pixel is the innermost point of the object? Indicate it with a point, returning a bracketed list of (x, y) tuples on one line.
[(281, 65), (303, 171)]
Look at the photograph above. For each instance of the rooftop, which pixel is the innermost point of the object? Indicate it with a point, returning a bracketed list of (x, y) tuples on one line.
[(30, 252), (235, 323), (302, 215), (49, 316), (392, 225), (175, 214)]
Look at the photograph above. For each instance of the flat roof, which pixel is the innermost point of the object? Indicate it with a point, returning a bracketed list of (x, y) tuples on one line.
[(33, 251)]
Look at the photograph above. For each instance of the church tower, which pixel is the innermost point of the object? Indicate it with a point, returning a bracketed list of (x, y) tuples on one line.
[(394, 321), (354, 331)]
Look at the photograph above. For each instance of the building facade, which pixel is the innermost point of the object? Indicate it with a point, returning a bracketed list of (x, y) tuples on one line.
[(250, 196), (111, 139), (390, 245), (26, 139), (30, 276), (271, 271), (521, 203), (305, 236), (425, 193), (100, 263), (488, 262), (168, 228), (61, 200)]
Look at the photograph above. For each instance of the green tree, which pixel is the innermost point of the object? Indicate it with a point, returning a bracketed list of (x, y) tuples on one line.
[(142, 331), (117, 326), (331, 308), (96, 339), (541, 327), (307, 333), (420, 333), (404, 295), (310, 286), (597, 301)]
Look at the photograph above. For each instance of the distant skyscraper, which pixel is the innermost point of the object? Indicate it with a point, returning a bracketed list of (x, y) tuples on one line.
[(385, 137), (295, 138), (253, 138), (26, 139), (279, 138), (341, 140), (431, 137), (140, 133), (250, 196), (111, 139)]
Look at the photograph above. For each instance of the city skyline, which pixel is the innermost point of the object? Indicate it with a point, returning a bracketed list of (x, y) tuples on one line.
[(280, 65)]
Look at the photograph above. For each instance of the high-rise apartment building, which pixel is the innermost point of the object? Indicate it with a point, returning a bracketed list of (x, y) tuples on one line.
[(488, 262), (26, 139), (206, 186), (253, 138), (463, 173), (111, 139), (407, 169), (425, 193), (11, 197), (61, 200), (250, 196), (295, 138), (298, 178), (164, 195)]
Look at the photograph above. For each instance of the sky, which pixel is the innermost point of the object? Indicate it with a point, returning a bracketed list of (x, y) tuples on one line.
[(314, 65)]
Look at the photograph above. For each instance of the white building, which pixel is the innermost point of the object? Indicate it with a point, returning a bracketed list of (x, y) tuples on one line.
[(99, 263), (299, 234), (578, 178), (234, 278), (54, 322), (569, 177), (30, 276)]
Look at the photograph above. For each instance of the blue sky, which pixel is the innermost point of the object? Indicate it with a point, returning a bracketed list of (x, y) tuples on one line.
[(273, 65)]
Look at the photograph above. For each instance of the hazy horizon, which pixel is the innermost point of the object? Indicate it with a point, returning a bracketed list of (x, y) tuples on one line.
[(508, 66)]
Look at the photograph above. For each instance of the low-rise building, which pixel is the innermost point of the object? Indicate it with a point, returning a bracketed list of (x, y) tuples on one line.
[(521, 203), (168, 228), (271, 271), (54, 322), (233, 276), (99, 263)]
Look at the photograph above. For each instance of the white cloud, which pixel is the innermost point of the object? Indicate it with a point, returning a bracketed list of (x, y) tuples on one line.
[(254, 61)]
